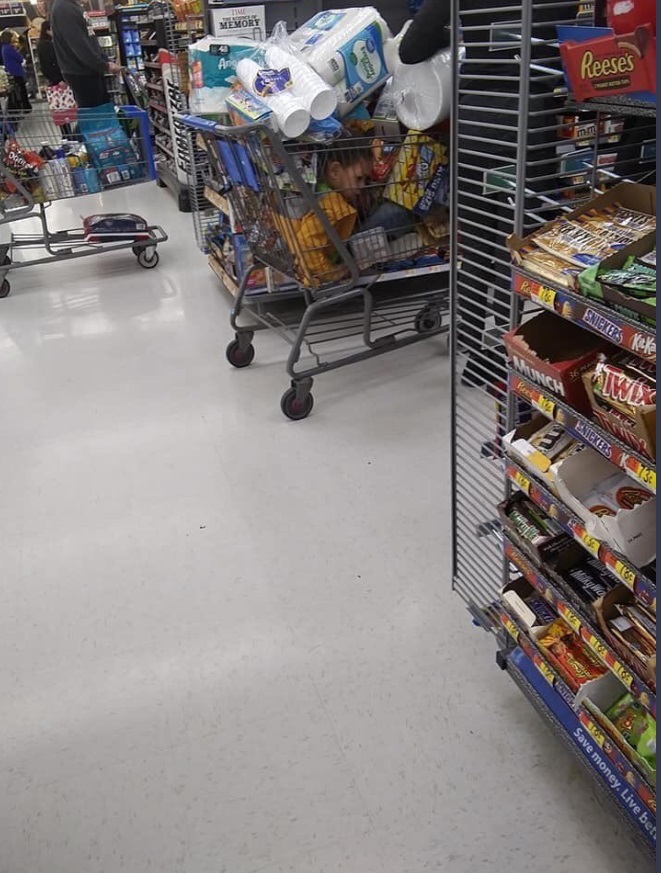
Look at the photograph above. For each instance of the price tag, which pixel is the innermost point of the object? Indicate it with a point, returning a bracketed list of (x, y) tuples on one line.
[(625, 573), (522, 481), (590, 543), (598, 648), (569, 616), (595, 733), (545, 405), (623, 674), (511, 628), (543, 295), (545, 670), (645, 475)]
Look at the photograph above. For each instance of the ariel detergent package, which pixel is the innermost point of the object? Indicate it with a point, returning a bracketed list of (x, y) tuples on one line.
[(212, 70), (345, 47)]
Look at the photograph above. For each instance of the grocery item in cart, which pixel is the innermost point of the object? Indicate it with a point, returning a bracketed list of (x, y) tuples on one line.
[(413, 171), (110, 150), (115, 227), (212, 71)]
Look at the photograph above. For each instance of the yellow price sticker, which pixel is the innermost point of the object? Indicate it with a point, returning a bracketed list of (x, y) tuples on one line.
[(512, 629), (590, 543), (645, 475), (522, 481), (595, 733), (570, 617), (625, 573), (623, 675), (546, 671), (545, 405), (545, 296), (598, 648)]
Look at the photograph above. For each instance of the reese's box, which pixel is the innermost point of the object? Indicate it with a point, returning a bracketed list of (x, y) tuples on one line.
[(554, 355)]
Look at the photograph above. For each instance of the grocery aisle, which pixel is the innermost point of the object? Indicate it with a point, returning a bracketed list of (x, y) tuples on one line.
[(228, 642)]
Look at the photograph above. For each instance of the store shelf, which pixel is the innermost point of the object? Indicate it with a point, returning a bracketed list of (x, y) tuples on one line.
[(619, 567), (566, 725), (587, 313), (158, 107), (165, 150), (618, 104), (152, 65), (583, 628), (154, 86), (161, 127), (586, 431)]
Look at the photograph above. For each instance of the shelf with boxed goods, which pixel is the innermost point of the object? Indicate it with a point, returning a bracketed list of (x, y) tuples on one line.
[(611, 768), (547, 585), (586, 431), (638, 581), (595, 267)]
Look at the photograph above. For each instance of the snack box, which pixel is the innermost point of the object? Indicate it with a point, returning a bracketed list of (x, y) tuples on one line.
[(591, 286), (554, 354), (630, 531), (613, 64), (640, 435), (605, 609), (632, 195), (558, 550), (526, 603), (597, 700), (518, 446), (244, 108), (414, 169)]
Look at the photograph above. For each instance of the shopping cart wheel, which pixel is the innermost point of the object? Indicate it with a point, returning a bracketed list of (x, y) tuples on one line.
[(296, 405), (428, 320), (148, 258), (5, 288), (238, 354)]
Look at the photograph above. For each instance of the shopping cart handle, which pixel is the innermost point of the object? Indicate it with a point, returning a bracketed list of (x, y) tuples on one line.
[(214, 127)]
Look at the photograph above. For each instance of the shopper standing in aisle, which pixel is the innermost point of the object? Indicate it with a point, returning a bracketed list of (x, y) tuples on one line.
[(14, 64), (48, 64), (79, 55)]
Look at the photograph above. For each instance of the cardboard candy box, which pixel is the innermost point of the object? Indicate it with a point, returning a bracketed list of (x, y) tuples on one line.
[(611, 64)]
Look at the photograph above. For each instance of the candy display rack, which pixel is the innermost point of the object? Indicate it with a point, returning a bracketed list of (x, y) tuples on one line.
[(509, 139)]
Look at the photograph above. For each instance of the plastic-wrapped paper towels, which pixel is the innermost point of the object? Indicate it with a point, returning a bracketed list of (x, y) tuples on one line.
[(423, 92), (212, 63), (274, 87), (346, 48)]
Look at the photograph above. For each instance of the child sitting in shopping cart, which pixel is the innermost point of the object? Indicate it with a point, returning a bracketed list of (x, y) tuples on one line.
[(343, 173)]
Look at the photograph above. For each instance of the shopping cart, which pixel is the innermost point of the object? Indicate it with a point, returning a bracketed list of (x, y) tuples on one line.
[(40, 162), (342, 266)]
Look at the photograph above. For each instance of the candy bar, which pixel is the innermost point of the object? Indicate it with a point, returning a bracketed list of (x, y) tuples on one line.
[(551, 440), (641, 221), (623, 384), (526, 528), (649, 259), (574, 243), (569, 655), (587, 582), (547, 266), (543, 612), (633, 278)]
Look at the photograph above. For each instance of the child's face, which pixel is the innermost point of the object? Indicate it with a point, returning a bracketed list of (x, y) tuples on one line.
[(351, 180)]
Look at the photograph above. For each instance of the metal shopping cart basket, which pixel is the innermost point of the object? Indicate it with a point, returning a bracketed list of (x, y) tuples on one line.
[(339, 247), (40, 162)]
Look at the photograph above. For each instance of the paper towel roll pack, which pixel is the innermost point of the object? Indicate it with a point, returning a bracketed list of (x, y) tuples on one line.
[(212, 69), (422, 93), (346, 48)]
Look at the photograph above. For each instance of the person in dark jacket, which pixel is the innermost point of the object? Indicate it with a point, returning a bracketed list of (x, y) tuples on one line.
[(79, 55), (50, 69), (14, 64)]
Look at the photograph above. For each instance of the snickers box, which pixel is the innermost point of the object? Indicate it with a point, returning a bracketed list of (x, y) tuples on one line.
[(554, 354)]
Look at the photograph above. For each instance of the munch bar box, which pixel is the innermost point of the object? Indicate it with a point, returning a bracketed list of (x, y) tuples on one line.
[(554, 354)]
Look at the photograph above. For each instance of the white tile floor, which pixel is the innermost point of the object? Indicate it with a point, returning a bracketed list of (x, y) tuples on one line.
[(228, 642)]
